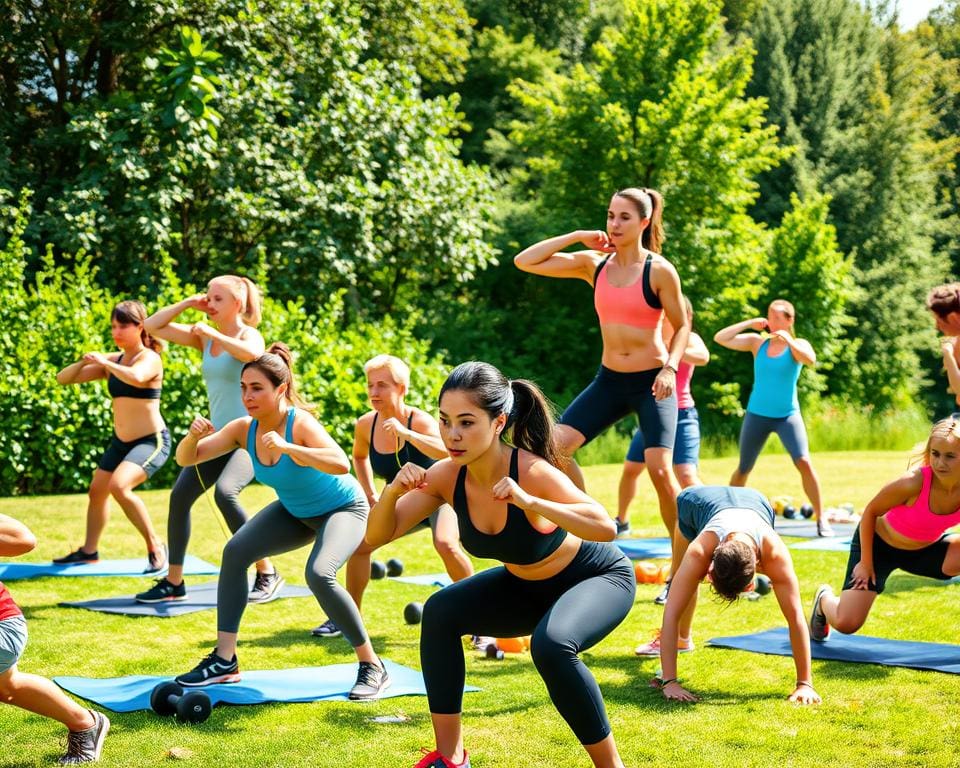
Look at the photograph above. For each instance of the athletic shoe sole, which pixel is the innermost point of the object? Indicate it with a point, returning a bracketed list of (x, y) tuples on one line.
[(816, 610), (375, 696), (155, 600), (269, 598), (642, 650), (234, 677)]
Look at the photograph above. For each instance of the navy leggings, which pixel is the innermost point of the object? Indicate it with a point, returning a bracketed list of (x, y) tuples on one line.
[(566, 614)]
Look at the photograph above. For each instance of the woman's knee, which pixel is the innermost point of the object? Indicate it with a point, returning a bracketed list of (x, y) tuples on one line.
[(447, 548), (568, 439), (8, 684), (549, 653), (438, 613), (321, 578), (226, 495)]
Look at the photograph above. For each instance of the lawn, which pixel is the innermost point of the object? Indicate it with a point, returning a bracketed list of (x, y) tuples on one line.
[(871, 715)]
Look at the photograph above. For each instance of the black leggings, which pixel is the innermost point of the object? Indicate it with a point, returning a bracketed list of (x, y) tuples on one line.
[(566, 614), (232, 473)]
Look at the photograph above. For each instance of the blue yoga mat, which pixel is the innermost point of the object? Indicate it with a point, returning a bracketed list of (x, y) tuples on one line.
[(192, 566), (938, 657), (426, 579), (832, 544), (202, 597), (807, 529), (329, 683), (644, 549)]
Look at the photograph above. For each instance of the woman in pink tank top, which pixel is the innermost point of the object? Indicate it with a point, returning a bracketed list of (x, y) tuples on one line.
[(904, 526)]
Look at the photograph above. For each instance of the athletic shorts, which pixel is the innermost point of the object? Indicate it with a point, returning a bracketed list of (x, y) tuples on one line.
[(927, 561), (612, 395), (13, 639), (686, 444), (150, 452), (756, 429)]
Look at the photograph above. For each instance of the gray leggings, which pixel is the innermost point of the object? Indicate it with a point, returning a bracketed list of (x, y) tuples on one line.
[(756, 429), (273, 531), (231, 472)]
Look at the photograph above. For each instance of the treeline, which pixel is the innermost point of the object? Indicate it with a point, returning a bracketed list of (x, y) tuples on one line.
[(398, 152)]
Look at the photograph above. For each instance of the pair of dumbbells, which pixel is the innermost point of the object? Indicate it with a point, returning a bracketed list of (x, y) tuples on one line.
[(168, 699)]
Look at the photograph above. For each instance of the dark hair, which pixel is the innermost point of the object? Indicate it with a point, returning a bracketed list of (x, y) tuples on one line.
[(277, 365), (132, 312), (649, 204), (944, 299), (529, 415), (734, 566)]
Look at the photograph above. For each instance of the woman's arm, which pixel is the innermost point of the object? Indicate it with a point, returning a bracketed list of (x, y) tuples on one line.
[(900, 491), (667, 286), (544, 258), (424, 433), (361, 461), (15, 538), (161, 326), (81, 371), (246, 347), (312, 446), (951, 351), (203, 442), (696, 352), (735, 337), (144, 370), (801, 349), (551, 495), (411, 497)]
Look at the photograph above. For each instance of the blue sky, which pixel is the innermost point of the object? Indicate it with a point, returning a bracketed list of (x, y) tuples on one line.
[(914, 11)]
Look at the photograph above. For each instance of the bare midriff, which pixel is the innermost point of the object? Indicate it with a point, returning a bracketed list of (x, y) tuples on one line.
[(134, 418), (628, 349), (552, 564)]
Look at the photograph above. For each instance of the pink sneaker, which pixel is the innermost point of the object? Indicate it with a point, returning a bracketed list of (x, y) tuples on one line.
[(652, 648)]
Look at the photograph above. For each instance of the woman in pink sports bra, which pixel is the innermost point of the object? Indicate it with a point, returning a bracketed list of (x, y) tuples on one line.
[(634, 287), (904, 527)]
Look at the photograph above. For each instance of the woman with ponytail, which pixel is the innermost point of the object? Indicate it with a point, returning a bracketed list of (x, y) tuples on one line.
[(140, 444), (557, 582), (633, 288), (233, 305), (318, 503)]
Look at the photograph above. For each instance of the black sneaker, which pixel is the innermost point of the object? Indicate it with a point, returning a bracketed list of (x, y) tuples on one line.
[(163, 591), (372, 680), (212, 669), (623, 528), (327, 629), (661, 599), (77, 558), (85, 746), (266, 587), (157, 562), (819, 628)]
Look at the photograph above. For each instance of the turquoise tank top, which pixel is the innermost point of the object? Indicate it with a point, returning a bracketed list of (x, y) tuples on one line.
[(303, 491), (221, 374), (774, 392)]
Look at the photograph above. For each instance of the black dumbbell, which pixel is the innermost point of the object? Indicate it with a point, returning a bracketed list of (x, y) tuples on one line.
[(191, 707), (493, 652), (394, 566), (412, 613), (377, 569), (807, 511), (762, 586), (790, 512)]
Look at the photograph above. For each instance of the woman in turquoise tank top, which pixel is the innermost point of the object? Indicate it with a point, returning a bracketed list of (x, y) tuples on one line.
[(773, 405), (233, 306)]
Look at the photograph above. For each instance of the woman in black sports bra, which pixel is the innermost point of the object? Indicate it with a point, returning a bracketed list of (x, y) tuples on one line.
[(558, 583), (140, 443), (405, 435)]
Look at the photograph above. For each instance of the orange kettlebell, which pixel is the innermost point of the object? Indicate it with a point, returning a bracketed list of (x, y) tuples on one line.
[(646, 572), (513, 644)]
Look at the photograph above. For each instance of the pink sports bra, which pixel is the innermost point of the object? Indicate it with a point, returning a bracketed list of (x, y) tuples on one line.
[(636, 304), (917, 522)]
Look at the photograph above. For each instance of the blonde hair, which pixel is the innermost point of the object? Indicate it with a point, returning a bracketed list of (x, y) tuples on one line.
[(946, 429), (785, 308), (244, 290), (399, 370)]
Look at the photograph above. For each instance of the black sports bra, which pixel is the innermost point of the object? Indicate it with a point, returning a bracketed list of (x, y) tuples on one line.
[(519, 543), (118, 388)]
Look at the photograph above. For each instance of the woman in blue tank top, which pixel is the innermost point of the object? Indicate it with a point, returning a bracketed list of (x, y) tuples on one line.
[(773, 404), (318, 503), (558, 582), (233, 306)]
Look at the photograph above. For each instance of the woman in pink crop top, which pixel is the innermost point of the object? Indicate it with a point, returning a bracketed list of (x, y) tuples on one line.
[(634, 288), (904, 526)]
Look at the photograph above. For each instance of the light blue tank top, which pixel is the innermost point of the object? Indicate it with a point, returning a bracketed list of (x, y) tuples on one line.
[(221, 374), (774, 392), (303, 491)]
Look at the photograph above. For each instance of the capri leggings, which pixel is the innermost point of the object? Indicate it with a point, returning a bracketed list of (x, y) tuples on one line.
[(566, 614), (612, 395), (756, 429), (927, 561), (232, 473), (273, 531)]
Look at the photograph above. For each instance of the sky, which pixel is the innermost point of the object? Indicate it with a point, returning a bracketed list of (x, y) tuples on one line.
[(912, 12)]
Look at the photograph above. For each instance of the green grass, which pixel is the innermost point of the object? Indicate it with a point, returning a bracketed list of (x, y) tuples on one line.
[(871, 716)]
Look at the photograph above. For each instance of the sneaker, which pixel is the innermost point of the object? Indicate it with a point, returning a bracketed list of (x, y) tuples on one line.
[(266, 587), (661, 599), (436, 760), (77, 558), (480, 642), (819, 628), (212, 669), (327, 629), (623, 528), (163, 591), (652, 648), (157, 562), (824, 529), (85, 746), (372, 680)]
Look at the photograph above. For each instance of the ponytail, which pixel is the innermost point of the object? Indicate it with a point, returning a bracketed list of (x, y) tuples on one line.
[(244, 290), (649, 204), (277, 365)]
